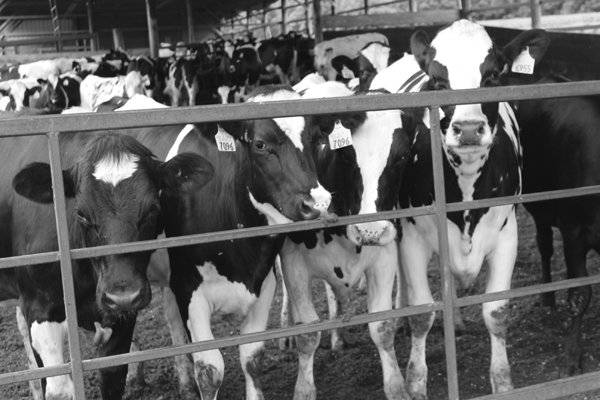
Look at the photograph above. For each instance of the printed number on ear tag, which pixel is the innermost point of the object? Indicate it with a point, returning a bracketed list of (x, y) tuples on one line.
[(524, 63), (340, 137), (225, 142)]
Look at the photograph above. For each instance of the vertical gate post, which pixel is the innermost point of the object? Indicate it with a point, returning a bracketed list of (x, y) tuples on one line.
[(318, 27), (152, 27), (366, 7), (536, 13), (307, 17), (90, 16), (66, 268), (190, 21), (444, 252)]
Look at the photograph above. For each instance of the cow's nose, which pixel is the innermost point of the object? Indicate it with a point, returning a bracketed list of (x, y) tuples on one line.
[(306, 206), (366, 235), (123, 301), (469, 132)]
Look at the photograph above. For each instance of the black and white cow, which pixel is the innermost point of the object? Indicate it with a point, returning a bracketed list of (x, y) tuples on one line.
[(270, 178), (95, 90), (112, 186), (365, 177), (561, 150), (240, 73), (181, 84), (58, 93), (482, 160)]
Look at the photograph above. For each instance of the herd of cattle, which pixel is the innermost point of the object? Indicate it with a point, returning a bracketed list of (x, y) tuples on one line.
[(134, 184)]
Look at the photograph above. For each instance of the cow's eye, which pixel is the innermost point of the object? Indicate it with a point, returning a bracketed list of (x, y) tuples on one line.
[(260, 145), (495, 75)]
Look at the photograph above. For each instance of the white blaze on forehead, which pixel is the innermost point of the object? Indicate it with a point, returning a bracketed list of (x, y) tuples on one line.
[(224, 93), (378, 55), (291, 126), (113, 170), (461, 48), (372, 143)]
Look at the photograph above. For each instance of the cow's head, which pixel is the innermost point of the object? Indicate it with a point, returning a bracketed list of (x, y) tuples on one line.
[(20, 95), (148, 71), (365, 176), (372, 59), (462, 56), (279, 152), (59, 92), (115, 184)]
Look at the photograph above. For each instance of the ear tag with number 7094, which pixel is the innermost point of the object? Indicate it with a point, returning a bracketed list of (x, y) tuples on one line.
[(524, 63), (225, 142), (340, 137)]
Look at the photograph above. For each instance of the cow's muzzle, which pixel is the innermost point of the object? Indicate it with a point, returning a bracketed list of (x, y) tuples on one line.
[(469, 133), (377, 233)]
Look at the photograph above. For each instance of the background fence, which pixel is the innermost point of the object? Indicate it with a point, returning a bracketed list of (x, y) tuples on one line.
[(70, 123)]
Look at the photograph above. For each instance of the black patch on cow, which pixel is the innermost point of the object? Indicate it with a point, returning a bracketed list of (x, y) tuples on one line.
[(327, 237), (338, 272), (358, 249)]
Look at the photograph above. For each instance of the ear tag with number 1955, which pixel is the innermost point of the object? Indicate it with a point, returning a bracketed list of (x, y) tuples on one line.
[(225, 142), (340, 137), (524, 63)]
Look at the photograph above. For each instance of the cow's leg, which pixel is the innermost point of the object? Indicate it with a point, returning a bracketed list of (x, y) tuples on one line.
[(209, 367), (298, 280), (335, 307), (380, 284), (286, 316), (48, 339), (459, 325), (183, 364), (414, 257), (113, 379), (501, 262), (579, 298), (35, 386), (251, 353), (545, 246)]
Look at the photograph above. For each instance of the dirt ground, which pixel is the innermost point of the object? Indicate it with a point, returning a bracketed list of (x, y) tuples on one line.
[(535, 345)]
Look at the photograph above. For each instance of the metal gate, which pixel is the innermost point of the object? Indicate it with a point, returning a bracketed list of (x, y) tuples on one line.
[(173, 116)]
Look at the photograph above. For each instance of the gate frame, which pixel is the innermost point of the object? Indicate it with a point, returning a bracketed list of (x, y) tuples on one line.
[(176, 116)]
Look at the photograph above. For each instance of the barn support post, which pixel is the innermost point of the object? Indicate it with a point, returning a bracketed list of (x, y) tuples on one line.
[(90, 17), (307, 16), (264, 19), (465, 9), (283, 18), (318, 22), (190, 21), (152, 27), (366, 7), (413, 5), (118, 41), (536, 13)]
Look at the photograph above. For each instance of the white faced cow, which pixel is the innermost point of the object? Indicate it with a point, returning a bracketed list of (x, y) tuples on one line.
[(365, 176), (482, 160), (112, 186)]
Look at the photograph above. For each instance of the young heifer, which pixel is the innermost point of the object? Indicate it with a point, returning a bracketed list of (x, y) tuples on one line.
[(112, 186), (267, 177), (364, 173), (562, 152), (482, 160)]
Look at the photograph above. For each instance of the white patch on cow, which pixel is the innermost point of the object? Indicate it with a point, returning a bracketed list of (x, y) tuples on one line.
[(4, 103), (222, 295), (291, 126), (174, 150), (141, 102), (17, 93), (372, 143), (397, 75), (308, 81), (48, 339), (95, 90), (327, 90), (223, 92), (378, 55), (113, 170), (274, 217), (229, 48), (322, 198)]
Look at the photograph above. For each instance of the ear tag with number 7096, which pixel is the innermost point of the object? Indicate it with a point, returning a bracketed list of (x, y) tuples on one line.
[(225, 142), (340, 137), (524, 63)]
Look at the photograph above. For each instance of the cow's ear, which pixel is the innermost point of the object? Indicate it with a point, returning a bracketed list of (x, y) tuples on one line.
[(42, 81), (537, 40), (234, 128), (419, 46), (35, 183), (185, 173)]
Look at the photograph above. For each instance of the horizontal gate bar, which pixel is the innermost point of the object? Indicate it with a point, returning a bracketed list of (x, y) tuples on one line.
[(30, 374), (294, 227), (245, 111), (550, 390)]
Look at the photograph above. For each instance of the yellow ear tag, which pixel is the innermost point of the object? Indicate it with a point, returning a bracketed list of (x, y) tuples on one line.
[(340, 137), (225, 142), (524, 63)]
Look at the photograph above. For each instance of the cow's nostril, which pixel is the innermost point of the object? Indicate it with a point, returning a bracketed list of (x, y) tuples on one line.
[(456, 130), (480, 130)]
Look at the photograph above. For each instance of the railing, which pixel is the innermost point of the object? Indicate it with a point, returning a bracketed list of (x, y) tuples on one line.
[(88, 122), (91, 37)]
